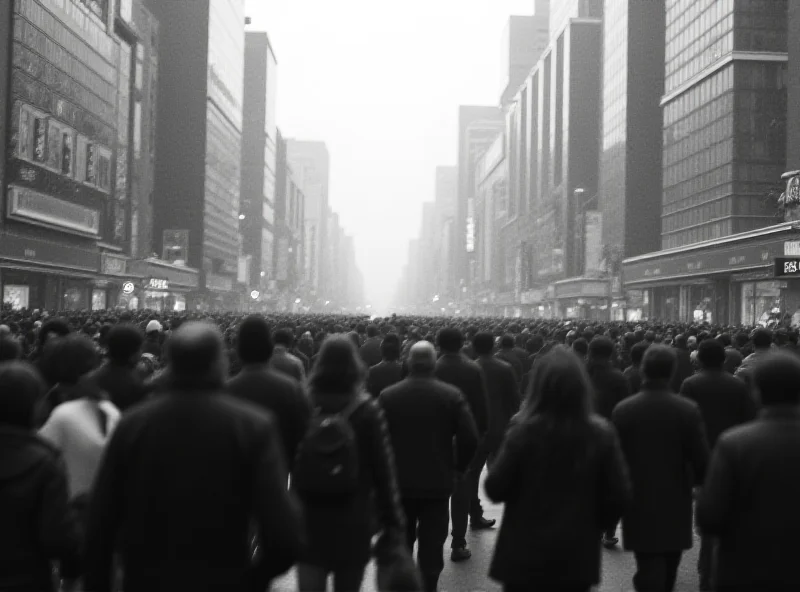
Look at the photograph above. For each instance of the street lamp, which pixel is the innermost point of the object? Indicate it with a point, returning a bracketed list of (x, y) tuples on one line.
[(242, 216)]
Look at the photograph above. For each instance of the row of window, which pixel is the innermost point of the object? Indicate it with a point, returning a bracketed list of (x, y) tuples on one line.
[(49, 143)]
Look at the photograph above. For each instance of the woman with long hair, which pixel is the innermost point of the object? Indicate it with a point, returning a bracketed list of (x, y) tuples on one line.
[(340, 510), (563, 479)]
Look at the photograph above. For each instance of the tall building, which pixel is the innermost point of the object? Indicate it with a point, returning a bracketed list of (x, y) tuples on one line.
[(446, 195), (199, 141), (562, 11), (289, 228), (630, 154), (310, 162), (259, 158), (77, 96), (524, 40), (477, 129), (793, 116)]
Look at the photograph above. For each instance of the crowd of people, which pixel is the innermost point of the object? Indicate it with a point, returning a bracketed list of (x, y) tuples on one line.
[(146, 451)]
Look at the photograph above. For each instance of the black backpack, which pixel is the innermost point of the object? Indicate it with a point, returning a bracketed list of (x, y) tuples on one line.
[(327, 459)]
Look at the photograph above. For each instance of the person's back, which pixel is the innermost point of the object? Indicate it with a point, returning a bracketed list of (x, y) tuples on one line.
[(508, 355), (610, 385), (118, 377), (282, 360), (633, 372), (370, 352), (455, 368), (749, 498), (183, 476), (389, 371)]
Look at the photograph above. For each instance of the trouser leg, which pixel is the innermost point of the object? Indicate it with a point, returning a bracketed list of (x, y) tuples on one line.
[(433, 519), (459, 510)]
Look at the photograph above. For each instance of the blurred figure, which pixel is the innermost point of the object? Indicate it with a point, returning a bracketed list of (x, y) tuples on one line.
[(581, 348), (389, 371), (563, 480), (665, 446), (182, 478), (633, 373), (267, 388), (455, 368), (10, 349), (118, 377), (508, 354), (153, 339), (282, 360), (42, 357), (425, 417), (371, 350), (749, 500), (762, 343), (724, 403), (733, 358), (339, 505), (37, 526), (683, 368)]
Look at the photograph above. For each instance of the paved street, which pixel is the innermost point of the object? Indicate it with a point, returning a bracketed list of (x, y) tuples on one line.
[(471, 576)]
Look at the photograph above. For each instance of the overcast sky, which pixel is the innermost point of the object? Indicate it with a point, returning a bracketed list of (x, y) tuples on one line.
[(382, 87)]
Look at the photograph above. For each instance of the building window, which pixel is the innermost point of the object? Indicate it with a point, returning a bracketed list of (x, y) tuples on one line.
[(16, 296), (98, 7)]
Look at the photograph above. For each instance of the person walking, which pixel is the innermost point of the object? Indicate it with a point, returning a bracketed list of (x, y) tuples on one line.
[(389, 371), (370, 352), (284, 361), (118, 376), (665, 447), (724, 403), (425, 417), (508, 354), (562, 477), (455, 368), (749, 499), (182, 478)]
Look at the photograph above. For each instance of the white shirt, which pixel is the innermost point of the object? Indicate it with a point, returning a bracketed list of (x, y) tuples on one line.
[(74, 429)]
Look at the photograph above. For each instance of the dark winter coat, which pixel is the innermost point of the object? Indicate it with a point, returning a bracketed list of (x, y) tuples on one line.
[(382, 376), (371, 351), (123, 385), (503, 398), (610, 387), (467, 376)]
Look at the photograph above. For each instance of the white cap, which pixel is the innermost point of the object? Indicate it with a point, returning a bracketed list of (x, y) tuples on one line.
[(153, 326)]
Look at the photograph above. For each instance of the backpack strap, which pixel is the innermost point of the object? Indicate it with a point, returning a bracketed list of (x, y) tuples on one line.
[(354, 405)]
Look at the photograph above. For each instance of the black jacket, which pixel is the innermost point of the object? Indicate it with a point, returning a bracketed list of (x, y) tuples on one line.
[(503, 398), (724, 401), (36, 525), (123, 385), (610, 387), (552, 522), (371, 352), (665, 446), (182, 478), (684, 368), (510, 357), (750, 499), (279, 394), (424, 415), (466, 376), (383, 375)]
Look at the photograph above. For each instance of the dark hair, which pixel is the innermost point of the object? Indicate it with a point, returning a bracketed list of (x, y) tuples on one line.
[(58, 327), (195, 355), (534, 344), (372, 331), (254, 340), (601, 348), (339, 369), (711, 354), (507, 341), (390, 347), (21, 389), (658, 363), (762, 338), (124, 342), (637, 352), (283, 337), (724, 339), (777, 378), (580, 346), (10, 349), (74, 356), (483, 343), (450, 340)]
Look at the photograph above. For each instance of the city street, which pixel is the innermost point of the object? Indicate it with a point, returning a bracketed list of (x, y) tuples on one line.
[(471, 575)]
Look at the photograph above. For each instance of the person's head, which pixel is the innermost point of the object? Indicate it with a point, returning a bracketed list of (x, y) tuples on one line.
[(52, 329), (483, 343), (559, 388), (450, 340), (711, 354), (680, 341), (390, 348), (283, 338), (254, 340), (777, 379), (762, 338), (339, 369), (124, 345), (354, 337), (195, 357), (534, 344), (21, 390), (73, 356), (421, 359), (10, 349), (372, 331), (601, 349), (580, 347), (507, 341), (153, 329), (658, 364), (724, 339), (637, 353)]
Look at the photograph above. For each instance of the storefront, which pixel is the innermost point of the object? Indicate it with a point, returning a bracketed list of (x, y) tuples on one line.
[(725, 281), (582, 298), (153, 284)]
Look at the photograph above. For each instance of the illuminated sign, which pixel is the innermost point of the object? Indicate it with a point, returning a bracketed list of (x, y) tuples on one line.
[(787, 266), (128, 288), (157, 284), (255, 294)]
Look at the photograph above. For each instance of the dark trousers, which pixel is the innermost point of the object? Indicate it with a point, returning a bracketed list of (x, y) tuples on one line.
[(426, 525), (705, 560), (555, 587), (313, 578), (465, 502), (656, 572)]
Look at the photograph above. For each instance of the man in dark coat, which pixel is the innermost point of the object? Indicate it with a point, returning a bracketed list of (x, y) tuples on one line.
[(455, 368), (684, 368), (371, 350), (182, 480), (663, 440), (390, 370), (424, 416), (283, 360), (724, 403), (118, 376), (749, 500), (633, 373), (508, 355), (261, 385), (502, 392)]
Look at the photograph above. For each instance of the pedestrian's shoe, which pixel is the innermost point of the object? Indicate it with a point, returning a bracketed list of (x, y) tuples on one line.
[(610, 542), (482, 523), (460, 554)]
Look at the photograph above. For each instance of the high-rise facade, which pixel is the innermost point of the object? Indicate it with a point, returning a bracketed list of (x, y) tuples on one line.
[(524, 40), (288, 258), (259, 159), (793, 112), (199, 140), (629, 196), (446, 195), (562, 11)]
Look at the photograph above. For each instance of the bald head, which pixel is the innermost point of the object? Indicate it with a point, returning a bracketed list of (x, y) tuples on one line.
[(421, 358), (195, 354)]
